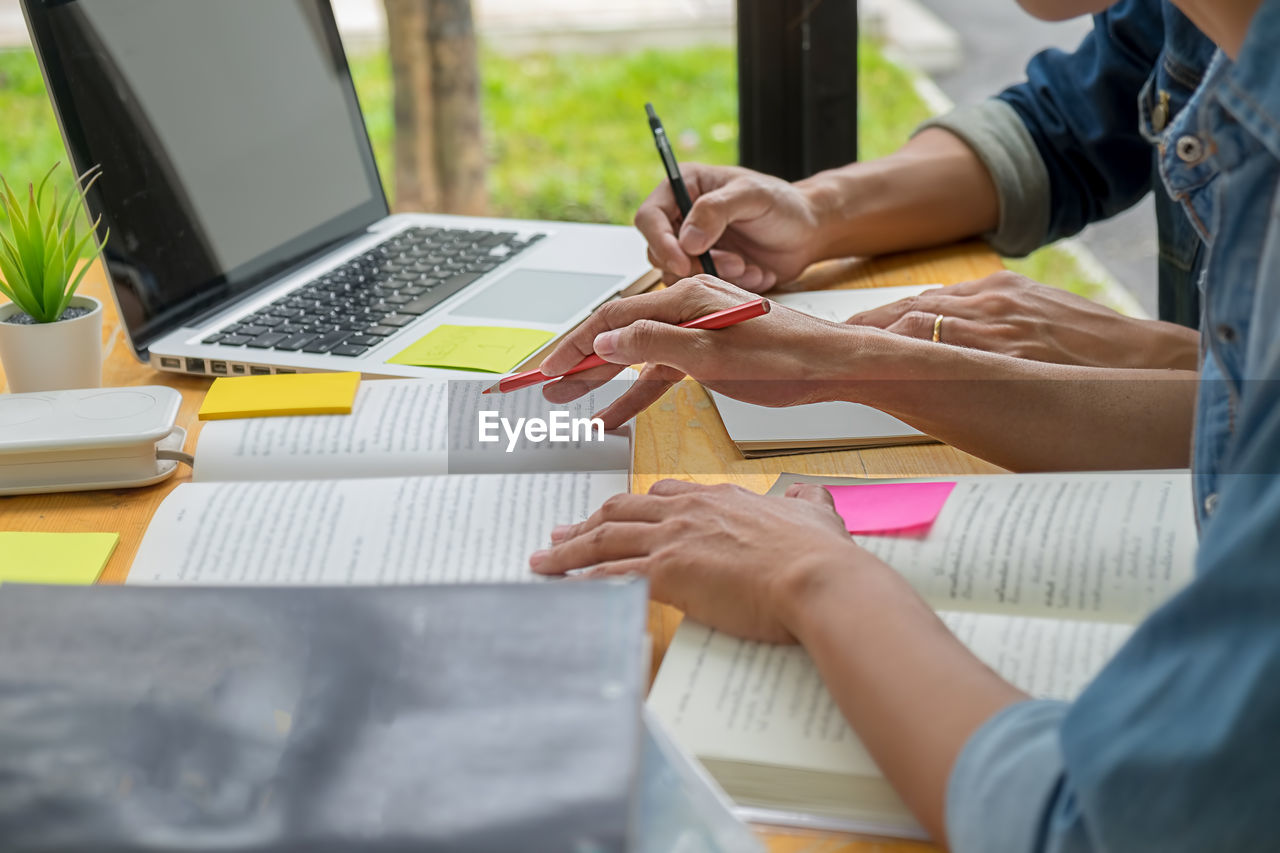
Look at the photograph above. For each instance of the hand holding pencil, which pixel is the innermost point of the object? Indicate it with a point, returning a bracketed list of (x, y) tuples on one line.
[(780, 357), (717, 320)]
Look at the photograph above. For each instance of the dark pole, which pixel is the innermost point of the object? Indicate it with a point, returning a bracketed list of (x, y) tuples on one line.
[(797, 85)]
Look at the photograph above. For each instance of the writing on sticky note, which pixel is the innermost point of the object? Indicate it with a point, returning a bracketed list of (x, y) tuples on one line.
[(890, 507), (280, 394), (492, 349), (56, 558)]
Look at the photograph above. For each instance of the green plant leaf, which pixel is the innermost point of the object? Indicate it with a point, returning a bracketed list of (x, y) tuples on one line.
[(86, 178), (84, 268), (55, 277), (54, 263), (32, 250), (41, 246), (50, 277), (18, 230), (66, 209), (47, 175), (11, 255), (15, 275), (75, 253), (73, 257), (11, 251), (5, 289), (12, 206), (75, 283)]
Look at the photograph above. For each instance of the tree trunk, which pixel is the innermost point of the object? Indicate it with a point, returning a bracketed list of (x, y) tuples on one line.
[(440, 157)]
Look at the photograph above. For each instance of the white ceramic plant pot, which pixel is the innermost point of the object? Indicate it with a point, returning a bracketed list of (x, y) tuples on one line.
[(53, 356)]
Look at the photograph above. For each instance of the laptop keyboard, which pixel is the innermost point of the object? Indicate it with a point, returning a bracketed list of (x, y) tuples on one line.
[(355, 306)]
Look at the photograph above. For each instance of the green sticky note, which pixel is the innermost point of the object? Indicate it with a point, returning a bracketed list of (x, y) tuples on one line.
[(489, 348), (61, 558)]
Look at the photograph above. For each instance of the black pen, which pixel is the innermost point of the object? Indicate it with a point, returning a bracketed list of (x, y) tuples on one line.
[(677, 181)]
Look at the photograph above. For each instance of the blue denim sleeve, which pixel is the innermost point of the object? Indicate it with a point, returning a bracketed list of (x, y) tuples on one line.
[(1173, 746), (1081, 110), (1005, 778)]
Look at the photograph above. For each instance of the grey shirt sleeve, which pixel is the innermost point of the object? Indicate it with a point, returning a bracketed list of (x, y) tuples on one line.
[(997, 135)]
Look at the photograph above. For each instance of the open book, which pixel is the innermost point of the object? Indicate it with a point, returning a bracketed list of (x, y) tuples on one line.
[(406, 427), (399, 491), (1042, 576), (759, 431)]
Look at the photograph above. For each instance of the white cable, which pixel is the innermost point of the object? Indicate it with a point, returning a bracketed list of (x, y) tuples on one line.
[(176, 456)]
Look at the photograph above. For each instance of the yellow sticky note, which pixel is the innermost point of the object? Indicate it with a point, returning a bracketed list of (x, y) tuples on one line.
[(61, 558), (489, 348), (280, 394)]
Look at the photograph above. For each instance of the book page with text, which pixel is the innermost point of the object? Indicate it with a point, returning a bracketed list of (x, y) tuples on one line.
[(409, 428), (586, 450), (412, 530), (396, 429), (730, 699), (1100, 546)]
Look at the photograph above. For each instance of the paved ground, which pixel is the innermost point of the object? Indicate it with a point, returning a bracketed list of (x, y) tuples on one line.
[(996, 41), (13, 31), (527, 24)]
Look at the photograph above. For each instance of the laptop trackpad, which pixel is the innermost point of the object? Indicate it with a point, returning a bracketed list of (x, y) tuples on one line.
[(539, 296)]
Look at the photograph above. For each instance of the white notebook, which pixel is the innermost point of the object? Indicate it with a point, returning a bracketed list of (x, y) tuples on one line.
[(761, 431)]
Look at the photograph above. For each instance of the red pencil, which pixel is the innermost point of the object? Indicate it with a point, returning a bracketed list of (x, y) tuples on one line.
[(718, 320)]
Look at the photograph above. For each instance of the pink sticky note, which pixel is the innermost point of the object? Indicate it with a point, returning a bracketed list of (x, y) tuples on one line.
[(890, 507)]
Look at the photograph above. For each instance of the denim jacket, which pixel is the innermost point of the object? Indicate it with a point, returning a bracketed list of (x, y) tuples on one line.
[(1066, 148), (1173, 746)]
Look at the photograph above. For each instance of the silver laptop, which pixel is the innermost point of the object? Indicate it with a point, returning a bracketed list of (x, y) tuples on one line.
[(249, 232)]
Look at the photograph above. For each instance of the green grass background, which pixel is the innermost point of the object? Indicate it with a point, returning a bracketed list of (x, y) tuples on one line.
[(565, 133)]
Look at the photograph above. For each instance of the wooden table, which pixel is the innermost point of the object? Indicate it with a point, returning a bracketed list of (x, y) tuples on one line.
[(681, 434)]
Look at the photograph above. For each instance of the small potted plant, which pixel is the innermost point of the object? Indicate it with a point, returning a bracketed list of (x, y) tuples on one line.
[(50, 338)]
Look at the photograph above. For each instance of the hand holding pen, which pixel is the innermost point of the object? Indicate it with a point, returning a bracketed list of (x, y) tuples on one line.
[(760, 230), (678, 188)]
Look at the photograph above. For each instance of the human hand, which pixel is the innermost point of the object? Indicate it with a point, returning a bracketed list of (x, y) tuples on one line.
[(780, 359), (1011, 314), (763, 228), (731, 559)]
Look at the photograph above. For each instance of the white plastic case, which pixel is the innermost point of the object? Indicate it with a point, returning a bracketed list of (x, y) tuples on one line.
[(94, 438)]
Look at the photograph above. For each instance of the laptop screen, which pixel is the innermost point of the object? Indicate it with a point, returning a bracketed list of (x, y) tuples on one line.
[(229, 136)]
